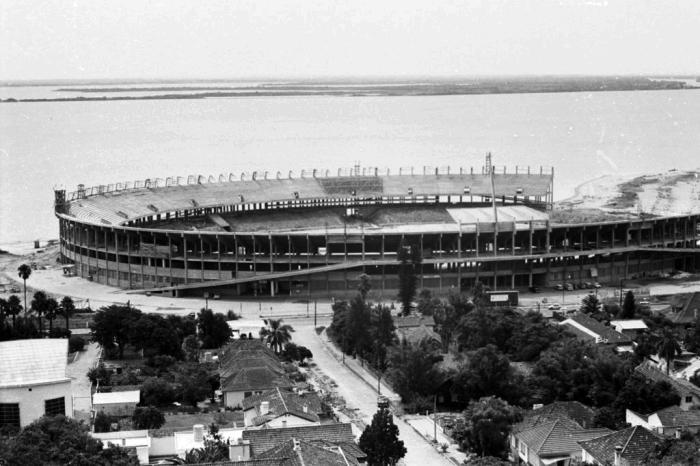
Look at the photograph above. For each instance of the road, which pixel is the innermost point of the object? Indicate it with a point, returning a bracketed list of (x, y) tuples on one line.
[(80, 384), (359, 395)]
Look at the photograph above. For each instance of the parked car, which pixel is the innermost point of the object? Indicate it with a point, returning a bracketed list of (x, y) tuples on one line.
[(588, 285), (596, 285), (554, 307), (559, 286), (569, 287)]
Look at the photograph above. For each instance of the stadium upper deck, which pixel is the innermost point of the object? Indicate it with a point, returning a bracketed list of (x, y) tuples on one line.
[(129, 204)]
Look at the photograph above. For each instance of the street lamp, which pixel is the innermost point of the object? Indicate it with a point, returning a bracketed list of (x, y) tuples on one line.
[(206, 300)]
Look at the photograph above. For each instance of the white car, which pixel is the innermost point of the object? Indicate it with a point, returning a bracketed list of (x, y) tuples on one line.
[(554, 307)]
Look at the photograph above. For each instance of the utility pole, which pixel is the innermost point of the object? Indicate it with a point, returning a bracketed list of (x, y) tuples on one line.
[(314, 313)]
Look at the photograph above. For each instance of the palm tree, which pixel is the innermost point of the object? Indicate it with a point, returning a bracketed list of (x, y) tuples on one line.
[(51, 312), (67, 309), (668, 348), (14, 307), (276, 335), (24, 272), (39, 307)]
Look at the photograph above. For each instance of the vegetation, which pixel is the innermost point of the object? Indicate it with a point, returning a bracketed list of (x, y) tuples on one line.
[(214, 449), (147, 418), (213, 329), (486, 426), (380, 440), (629, 307), (60, 440), (24, 272), (276, 335)]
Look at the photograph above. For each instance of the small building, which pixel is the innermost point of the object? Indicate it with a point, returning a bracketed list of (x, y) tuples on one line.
[(116, 403), (33, 380), (687, 311), (627, 447), (281, 408), (590, 330), (689, 392), (135, 440), (669, 421), (549, 434), (629, 327), (416, 328)]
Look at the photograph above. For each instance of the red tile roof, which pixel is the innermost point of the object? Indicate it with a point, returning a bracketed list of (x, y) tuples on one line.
[(682, 386), (283, 402), (302, 453), (339, 434), (636, 443)]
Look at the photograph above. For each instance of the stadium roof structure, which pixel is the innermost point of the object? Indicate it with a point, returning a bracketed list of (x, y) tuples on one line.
[(33, 362)]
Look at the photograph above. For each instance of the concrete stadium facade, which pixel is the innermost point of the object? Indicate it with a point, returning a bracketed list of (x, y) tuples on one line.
[(313, 234)]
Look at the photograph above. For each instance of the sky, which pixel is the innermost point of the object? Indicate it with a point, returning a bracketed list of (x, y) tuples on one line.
[(232, 39)]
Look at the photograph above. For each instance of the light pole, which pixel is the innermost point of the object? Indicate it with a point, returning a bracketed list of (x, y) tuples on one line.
[(206, 300)]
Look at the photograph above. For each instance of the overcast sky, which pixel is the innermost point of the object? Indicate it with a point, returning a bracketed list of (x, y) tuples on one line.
[(325, 38)]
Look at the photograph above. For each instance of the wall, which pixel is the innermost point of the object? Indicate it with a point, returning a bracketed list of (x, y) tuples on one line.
[(116, 409), (31, 399)]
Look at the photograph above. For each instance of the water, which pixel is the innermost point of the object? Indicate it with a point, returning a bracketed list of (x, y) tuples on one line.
[(49, 144)]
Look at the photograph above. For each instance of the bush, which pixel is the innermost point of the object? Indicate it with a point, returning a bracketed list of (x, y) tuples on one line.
[(100, 374), (157, 392), (161, 362), (75, 343), (103, 422), (148, 418), (59, 332)]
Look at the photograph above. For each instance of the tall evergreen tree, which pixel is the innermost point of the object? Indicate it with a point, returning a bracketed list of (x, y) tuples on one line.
[(380, 440), (410, 256), (40, 305), (14, 308), (67, 309), (590, 304), (668, 348), (277, 335), (487, 425), (629, 307)]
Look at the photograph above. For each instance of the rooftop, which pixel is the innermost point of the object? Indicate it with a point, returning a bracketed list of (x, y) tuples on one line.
[(636, 442), (132, 396), (295, 452), (591, 328), (33, 362), (682, 386), (674, 416), (284, 402), (557, 437), (340, 434)]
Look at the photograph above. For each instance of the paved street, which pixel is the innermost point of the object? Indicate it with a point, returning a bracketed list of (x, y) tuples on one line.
[(361, 396), (80, 384)]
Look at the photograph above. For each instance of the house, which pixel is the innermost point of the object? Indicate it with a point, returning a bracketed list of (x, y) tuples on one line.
[(332, 436), (249, 367), (135, 440), (589, 329), (629, 327), (416, 328), (33, 380), (295, 452), (548, 435), (689, 392), (627, 447), (116, 403), (668, 421), (281, 408)]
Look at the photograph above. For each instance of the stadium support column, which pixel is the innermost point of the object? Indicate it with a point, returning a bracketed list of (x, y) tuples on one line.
[(218, 255), (104, 232), (235, 264), (128, 258), (170, 259), (530, 246), (459, 258), (547, 241), (421, 264), (201, 257), (155, 260), (477, 243), (143, 277), (95, 248), (184, 252), (116, 257)]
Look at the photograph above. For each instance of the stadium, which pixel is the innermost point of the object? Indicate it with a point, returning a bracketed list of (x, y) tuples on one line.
[(312, 234)]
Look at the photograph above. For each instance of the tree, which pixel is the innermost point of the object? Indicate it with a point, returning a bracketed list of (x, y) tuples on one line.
[(427, 304), (147, 418), (190, 346), (692, 337), (13, 308), (51, 312), (590, 304), (67, 309), (629, 307), (365, 286), (157, 392), (668, 348), (486, 372), (409, 256), (413, 371), (214, 450), (103, 422), (40, 306), (24, 272), (276, 335), (487, 425), (60, 440), (155, 335), (111, 326), (99, 374), (294, 352), (380, 440), (213, 329)]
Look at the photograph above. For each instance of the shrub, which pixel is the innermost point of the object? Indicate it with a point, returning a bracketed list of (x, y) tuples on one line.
[(103, 422), (75, 343), (100, 374), (157, 392), (147, 418)]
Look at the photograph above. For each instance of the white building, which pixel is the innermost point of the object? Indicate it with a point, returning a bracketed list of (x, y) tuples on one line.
[(116, 403), (33, 380)]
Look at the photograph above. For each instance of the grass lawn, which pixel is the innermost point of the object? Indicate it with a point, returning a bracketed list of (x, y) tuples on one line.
[(184, 421)]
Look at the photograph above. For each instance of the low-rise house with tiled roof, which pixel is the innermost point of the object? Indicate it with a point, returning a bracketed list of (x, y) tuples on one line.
[(549, 434), (338, 435), (296, 452), (590, 330), (416, 328), (689, 392), (33, 381), (668, 421), (629, 327), (686, 311), (251, 381), (281, 408), (627, 447)]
